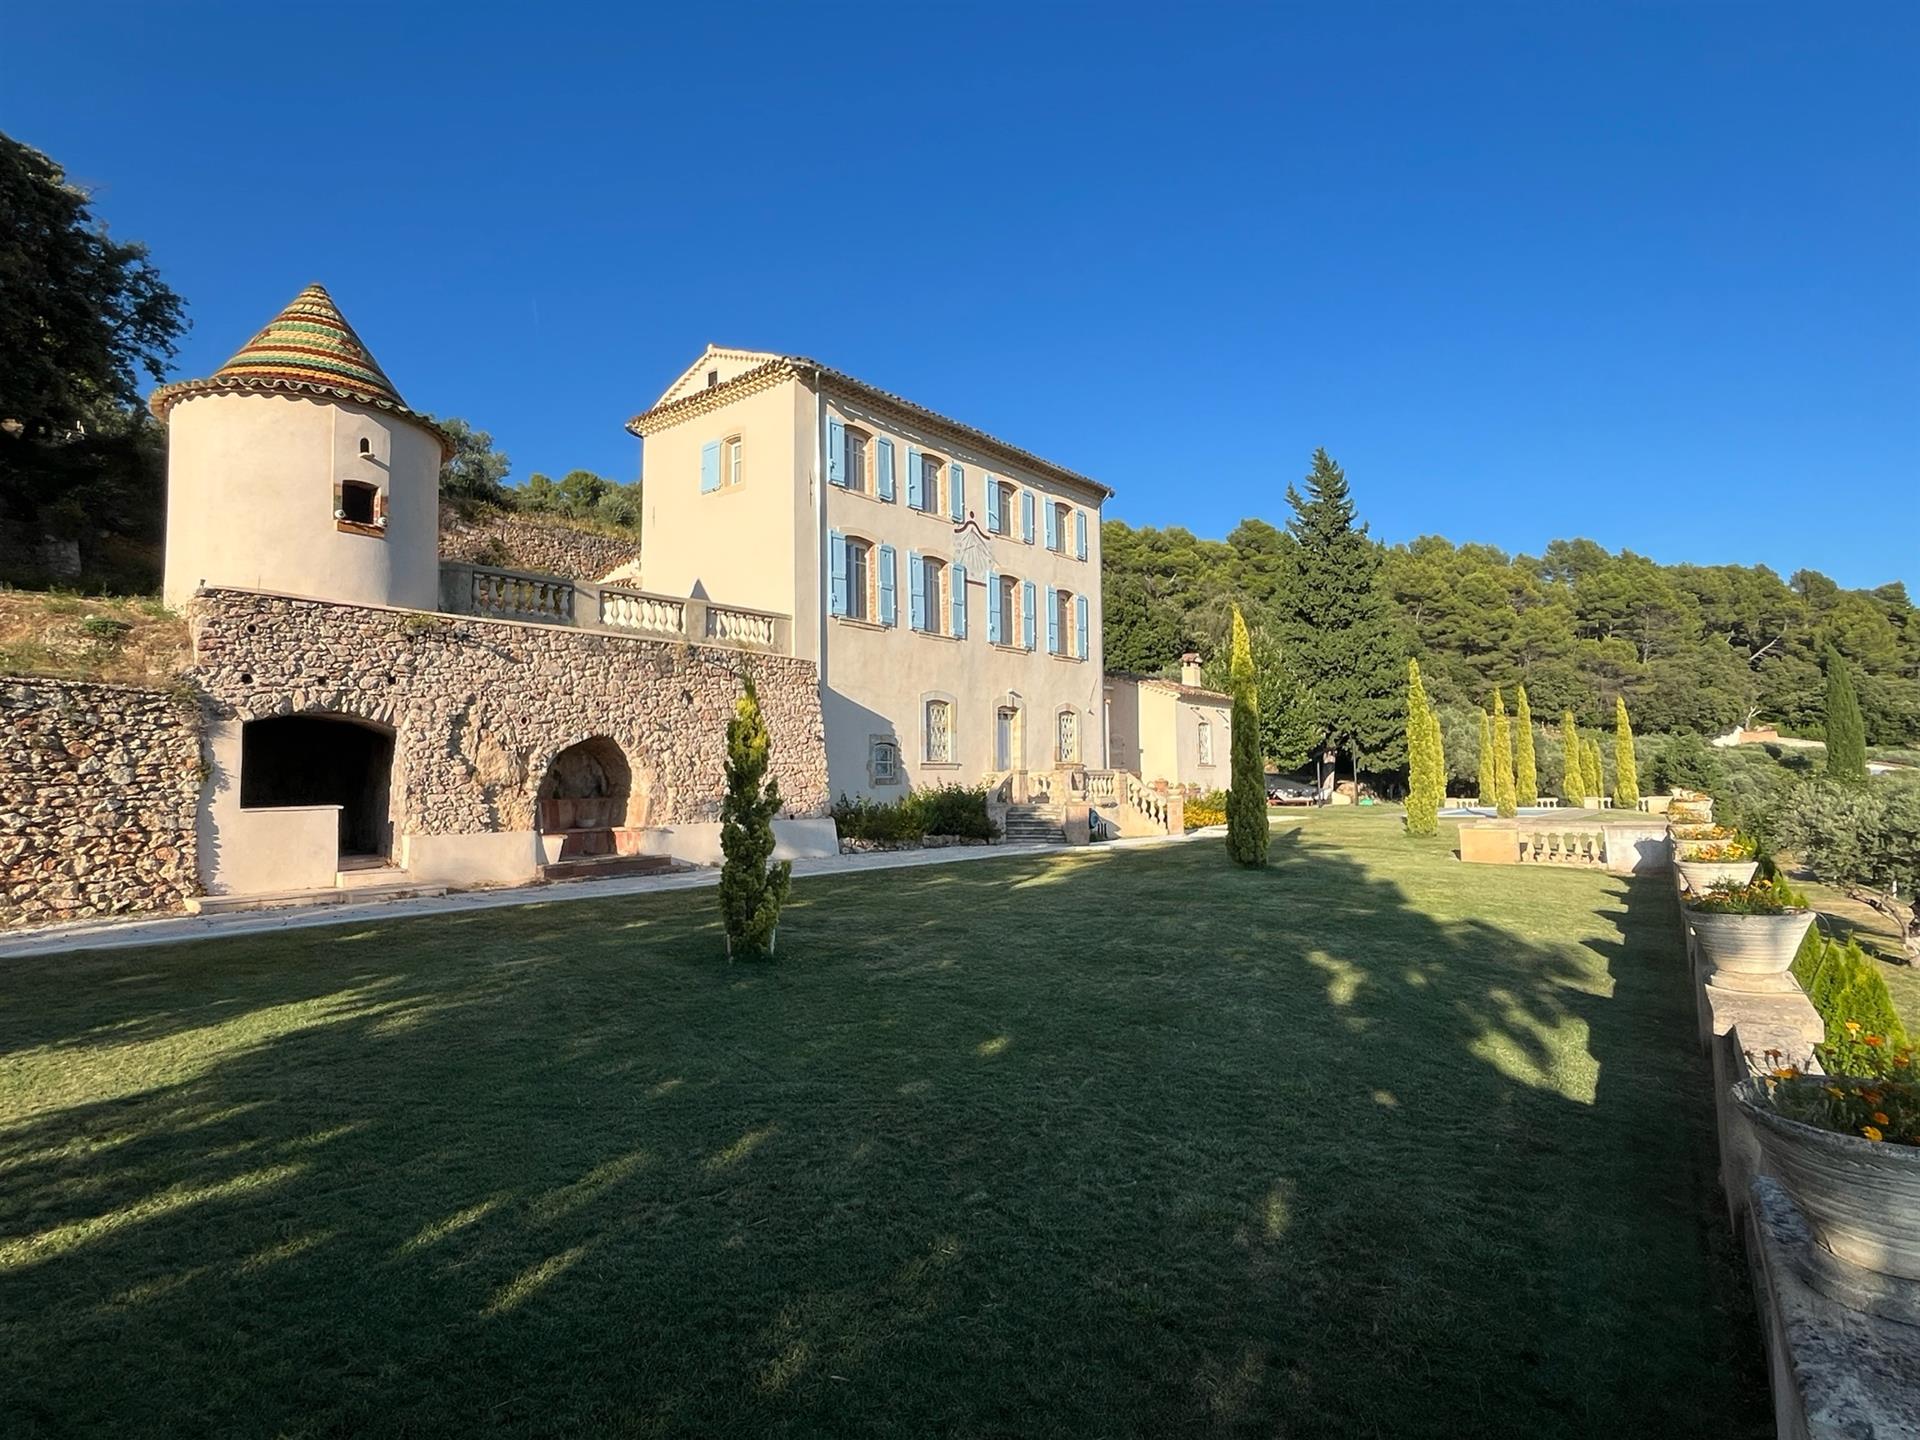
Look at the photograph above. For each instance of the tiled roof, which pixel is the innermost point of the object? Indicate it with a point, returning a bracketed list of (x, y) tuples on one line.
[(778, 367), (1186, 692), (310, 349)]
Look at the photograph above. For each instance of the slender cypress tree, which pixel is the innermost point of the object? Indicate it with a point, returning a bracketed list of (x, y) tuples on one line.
[(1437, 747), (1503, 801), (751, 890), (1489, 784), (1626, 774), (1526, 768), (1573, 788), (1591, 768), (1247, 832), (1423, 798), (1846, 732)]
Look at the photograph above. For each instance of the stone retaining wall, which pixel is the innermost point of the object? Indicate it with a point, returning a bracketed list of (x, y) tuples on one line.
[(480, 707), (534, 542), (98, 785)]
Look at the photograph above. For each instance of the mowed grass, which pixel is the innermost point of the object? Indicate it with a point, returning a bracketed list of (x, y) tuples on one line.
[(1101, 1144)]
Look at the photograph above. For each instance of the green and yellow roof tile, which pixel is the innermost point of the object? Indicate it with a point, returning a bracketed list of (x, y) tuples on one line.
[(307, 349)]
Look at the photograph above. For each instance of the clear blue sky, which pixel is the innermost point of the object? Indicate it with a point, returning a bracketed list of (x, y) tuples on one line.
[(1645, 273)]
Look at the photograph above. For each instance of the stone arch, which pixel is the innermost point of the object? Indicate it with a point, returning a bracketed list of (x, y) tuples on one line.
[(587, 785)]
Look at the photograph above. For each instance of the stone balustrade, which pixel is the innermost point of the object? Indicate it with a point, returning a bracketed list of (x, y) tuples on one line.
[(584, 604)]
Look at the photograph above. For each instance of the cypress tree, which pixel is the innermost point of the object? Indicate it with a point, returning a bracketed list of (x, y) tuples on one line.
[(1247, 833), (1591, 769), (1423, 799), (1489, 785), (1573, 782), (1626, 774), (1503, 802), (1526, 769), (751, 890), (1437, 748), (1846, 732)]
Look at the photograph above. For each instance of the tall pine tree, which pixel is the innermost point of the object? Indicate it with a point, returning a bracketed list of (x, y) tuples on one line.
[(1846, 734), (1424, 779), (1336, 623), (1247, 833), (1526, 766), (1626, 772)]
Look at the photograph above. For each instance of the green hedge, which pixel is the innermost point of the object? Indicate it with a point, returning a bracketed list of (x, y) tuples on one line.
[(1845, 983), (954, 810)]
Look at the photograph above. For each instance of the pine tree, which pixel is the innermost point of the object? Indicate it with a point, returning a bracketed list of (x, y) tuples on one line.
[(751, 890), (1591, 768), (1626, 774), (1489, 782), (1247, 832), (1503, 794), (1846, 733), (1423, 793), (1526, 768), (1573, 788), (1336, 623)]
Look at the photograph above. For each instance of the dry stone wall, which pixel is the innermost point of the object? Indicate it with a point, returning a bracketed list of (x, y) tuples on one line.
[(532, 542), (98, 786), (479, 708)]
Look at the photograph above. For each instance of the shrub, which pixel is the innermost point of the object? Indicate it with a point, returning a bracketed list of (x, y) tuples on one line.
[(1247, 835), (877, 822), (959, 811), (1863, 1030), (752, 887), (1761, 897), (1209, 809), (1686, 762)]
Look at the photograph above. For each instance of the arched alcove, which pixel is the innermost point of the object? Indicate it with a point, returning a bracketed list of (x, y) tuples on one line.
[(298, 760), (587, 794)]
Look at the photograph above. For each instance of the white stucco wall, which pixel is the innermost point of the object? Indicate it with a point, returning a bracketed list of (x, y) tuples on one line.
[(1169, 739), (250, 500)]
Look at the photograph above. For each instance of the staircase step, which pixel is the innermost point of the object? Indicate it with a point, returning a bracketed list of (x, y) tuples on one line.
[(303, 899), (595, 867)]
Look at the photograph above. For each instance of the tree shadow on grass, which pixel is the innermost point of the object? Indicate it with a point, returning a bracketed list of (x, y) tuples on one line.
[(1111, 1142)]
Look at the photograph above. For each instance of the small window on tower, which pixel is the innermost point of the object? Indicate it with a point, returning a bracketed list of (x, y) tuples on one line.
[(357, 503), (366, 446)]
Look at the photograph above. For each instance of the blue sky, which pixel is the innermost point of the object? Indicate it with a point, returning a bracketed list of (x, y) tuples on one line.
[(1639, 272)]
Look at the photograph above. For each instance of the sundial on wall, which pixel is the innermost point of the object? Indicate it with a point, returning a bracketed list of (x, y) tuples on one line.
[(972, 550)]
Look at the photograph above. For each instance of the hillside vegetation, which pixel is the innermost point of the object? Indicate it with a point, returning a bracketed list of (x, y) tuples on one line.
[(105, 639)]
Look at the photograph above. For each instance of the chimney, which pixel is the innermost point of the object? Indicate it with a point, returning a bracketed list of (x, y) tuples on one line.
[(1190, 669)]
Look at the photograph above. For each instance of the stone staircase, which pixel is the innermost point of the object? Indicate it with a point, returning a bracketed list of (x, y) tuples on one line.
[(1034, 825)]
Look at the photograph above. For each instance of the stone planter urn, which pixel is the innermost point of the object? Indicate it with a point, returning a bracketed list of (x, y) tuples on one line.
[(1862, 1198), (1753, 953), (1702, 875), (550, 845), (1690, 812)]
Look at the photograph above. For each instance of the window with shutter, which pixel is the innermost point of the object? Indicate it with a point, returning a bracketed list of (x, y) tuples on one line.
[(1080, 534), (883, 468), (916, 592), (836, 573), (889, 614), (836, 452), (956, 492), (1026, 516), (958, 585), (1080, 626), (710, 467), (1028, 618)]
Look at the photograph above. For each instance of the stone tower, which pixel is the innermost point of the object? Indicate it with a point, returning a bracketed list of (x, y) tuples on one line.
[(297, 468)]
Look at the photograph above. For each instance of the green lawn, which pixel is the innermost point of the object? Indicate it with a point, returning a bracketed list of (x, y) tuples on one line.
[(1372, 1143)]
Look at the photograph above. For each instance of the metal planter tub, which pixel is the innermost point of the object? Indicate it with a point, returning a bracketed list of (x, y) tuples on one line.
[(1751, 952), (1702, 875), (1861, 1198)]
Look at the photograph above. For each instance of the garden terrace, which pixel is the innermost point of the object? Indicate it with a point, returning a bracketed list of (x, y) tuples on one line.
[(1108, 1142)]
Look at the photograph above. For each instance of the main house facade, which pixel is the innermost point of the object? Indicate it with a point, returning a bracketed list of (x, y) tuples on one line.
[(946, 583)]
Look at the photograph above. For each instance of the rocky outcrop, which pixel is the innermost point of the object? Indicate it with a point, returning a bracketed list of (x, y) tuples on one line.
[(98, 785), (535, 542)]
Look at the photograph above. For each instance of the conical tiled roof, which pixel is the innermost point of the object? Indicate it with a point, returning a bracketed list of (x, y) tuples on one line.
[(308, 348)]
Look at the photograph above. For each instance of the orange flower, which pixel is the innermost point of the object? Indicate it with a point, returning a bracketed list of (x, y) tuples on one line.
[(1880, 1118), (1875, 1040), (1836, 1092), (1871, 1132)]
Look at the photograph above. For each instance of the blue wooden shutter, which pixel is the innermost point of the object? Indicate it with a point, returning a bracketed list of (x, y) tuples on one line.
[(1053, 527), (889, 614), (883, 462), (956, 492), (1027, 597), (1080, 534), (993, 606), (993, 505), (710, 466), (837, 569), (916, 496), (958, 574), (1026, 518), (1053, 621), (916, 590), (1080, 626), (836, 453)]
